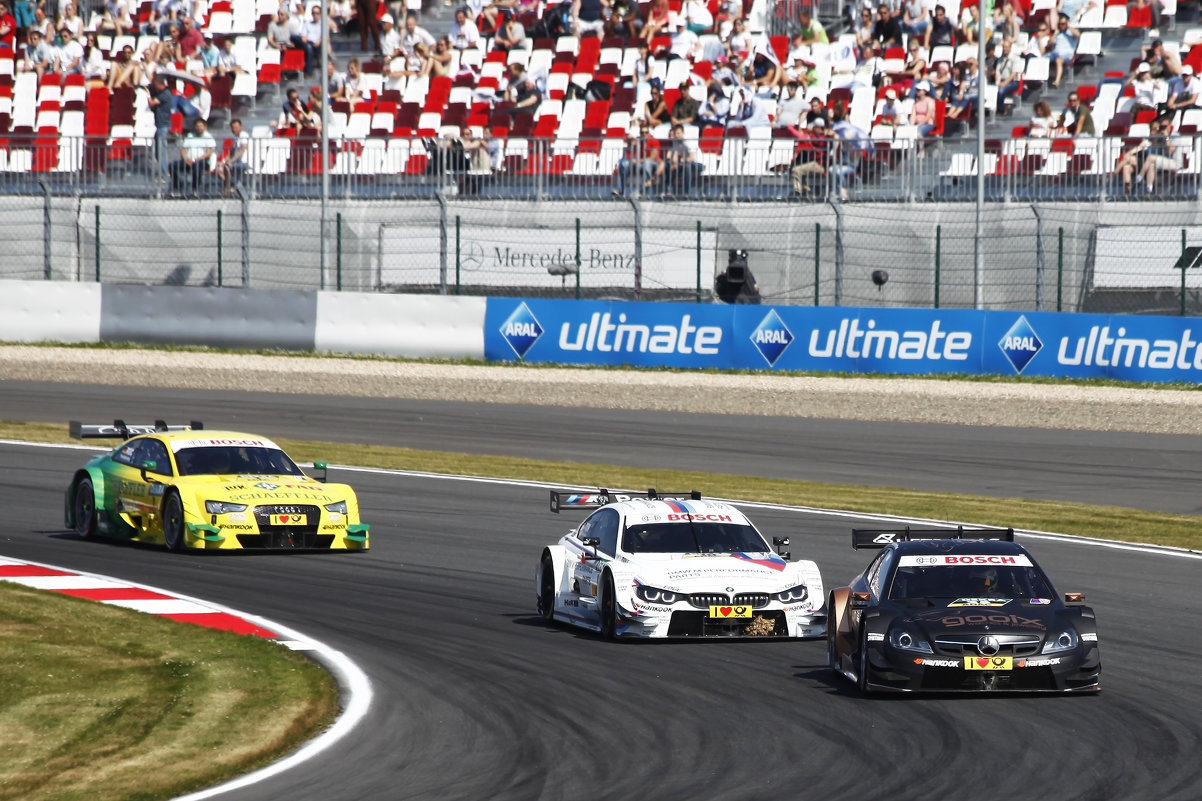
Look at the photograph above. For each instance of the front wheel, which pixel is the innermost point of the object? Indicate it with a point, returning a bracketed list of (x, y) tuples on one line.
[(85, 508), (832, 638), (862, 673), (609, 609), (546, 590), (173, 523)]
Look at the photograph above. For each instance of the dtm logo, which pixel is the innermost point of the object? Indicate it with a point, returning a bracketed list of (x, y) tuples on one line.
[(1020, 344), (521, 330), (771, 337)]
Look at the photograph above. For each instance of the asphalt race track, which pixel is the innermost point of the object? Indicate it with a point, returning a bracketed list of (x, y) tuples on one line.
[(476, 699)]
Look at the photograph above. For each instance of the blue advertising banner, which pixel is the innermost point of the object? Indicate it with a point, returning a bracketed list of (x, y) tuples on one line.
[(840, 339)]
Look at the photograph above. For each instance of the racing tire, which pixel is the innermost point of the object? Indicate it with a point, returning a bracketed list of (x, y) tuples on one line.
[(546, 590), (862, 672), (609, 609), (173, 523), (832, 638), (85, 508)]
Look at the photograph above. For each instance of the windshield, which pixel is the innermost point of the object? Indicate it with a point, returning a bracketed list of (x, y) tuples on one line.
[(969, 581), (695, 537), (230, 460)]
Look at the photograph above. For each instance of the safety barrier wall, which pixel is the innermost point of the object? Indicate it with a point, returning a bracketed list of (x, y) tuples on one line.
[(683, 335)]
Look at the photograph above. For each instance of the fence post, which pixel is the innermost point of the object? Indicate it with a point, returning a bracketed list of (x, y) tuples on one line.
[(46, 238), (699, 261), (1039, 258), (638, 245), (219, 236), (838, 252), (245, 195), (817, 259), (577, 258), (938, 259), (338, 246), (1059, 267), (442, 241), (458, 253), (1183, 272), (98, 243)]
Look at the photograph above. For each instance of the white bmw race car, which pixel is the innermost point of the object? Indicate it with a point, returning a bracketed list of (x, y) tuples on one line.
[(674, 566)]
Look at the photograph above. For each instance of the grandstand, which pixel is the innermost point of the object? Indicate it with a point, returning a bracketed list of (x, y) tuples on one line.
[(59, 134)]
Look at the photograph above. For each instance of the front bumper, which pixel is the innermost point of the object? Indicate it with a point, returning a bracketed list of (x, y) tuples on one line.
[(687, 623), (1078, 670)]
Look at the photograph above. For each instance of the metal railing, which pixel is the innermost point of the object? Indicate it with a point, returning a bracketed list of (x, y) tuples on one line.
[(733, 169)]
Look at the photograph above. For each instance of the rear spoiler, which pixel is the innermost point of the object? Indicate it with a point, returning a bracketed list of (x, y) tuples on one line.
[(595, 500), (880, 537), (122, 430)]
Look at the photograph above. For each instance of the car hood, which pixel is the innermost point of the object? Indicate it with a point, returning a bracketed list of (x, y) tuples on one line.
[(972, 616), (697, 572), (262, 489)]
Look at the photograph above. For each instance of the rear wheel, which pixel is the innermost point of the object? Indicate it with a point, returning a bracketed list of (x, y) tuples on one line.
[(546, 590), (85, 508), (609, 609), (173, 523), (832, 637), (862, 673)]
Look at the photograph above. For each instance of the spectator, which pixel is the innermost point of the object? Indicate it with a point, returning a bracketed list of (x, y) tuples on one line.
[(811, 30), (967, 92), (697, 16), (624, 20), (853, 143), (1007, 21), (93, 64), (1144, 87), (760, 70), (523, 90), (1040, 43), (658, 17), (115, 20), (210, 56), (810, 156), (870, 71), (723, 73), (916, 59), (940, 31), (1077, 119), (235, 163), (685, 44), (686, 108), (970, 25), (801, 70), (655, 110), (296, 114), (23, 16), (438, 65), (679, 169), (641, 157), (352, 91), (715, 112), (1042, 124), (864, 27), (892, 112), (497, 12), (1183, 91), (728, 12), (279, 32), (163, 14), (190, 41), (923, 113), (940, 82), (1159, 154), (414, 33), (464, 33), (748, 110), (390, 38), (790, 108), (510, 35), (886, 30), (39, 56), (162, 104), (1153, 7), (1076, 9), (367, 14), (342, 13), (196, 156), (739, 43), (70, 55), (916, 18), (69, 20), (817, 112), (1163, 64), (1064, 47), (228, 61), (587, 16), (312, 38), (1005, 73)]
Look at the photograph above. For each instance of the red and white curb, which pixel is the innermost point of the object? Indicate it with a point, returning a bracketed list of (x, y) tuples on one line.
[(353, 683)]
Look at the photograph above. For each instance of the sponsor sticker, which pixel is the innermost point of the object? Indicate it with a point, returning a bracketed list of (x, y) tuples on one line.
[(178, 445), (954, 560), (731, 612), (980, 602), (1031, 663), (771, 337), (521, 330), (988, 663), (289, 520), (1038, 601), (942, 663), (1020, 344)]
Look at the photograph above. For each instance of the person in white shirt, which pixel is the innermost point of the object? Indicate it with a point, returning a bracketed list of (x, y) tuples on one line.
[(70, 55), (685, 44), (390, 38), (414, 33), (464, 33)]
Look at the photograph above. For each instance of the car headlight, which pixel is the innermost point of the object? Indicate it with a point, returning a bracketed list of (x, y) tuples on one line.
[(339, 507), (906, 641), (792, 595), (221, 507), (1065, 641), (657, 596)]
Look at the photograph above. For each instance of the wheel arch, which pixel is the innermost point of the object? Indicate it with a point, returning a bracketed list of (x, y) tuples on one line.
[(98, 491)]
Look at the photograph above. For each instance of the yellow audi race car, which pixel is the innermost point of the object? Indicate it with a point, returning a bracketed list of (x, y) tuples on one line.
[(192, 489)]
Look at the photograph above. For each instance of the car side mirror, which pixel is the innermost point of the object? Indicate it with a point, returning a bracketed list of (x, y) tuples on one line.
[(149, 464), (780, 543), (323, 467), (591, 542), (860, 600)]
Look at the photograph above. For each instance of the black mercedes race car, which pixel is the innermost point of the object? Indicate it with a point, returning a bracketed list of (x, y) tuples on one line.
[(964, 610)]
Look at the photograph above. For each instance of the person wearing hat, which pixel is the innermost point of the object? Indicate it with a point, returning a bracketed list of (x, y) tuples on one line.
[(390, 38), (210, 55), (1144, 86), (1183, 91), (686, 108), (1163, 64), (892, 113), (685, 44), (922, 113)]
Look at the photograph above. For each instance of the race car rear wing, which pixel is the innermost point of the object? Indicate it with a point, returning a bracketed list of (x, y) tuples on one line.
[(595, 500), (880, 537), (122, 430)]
